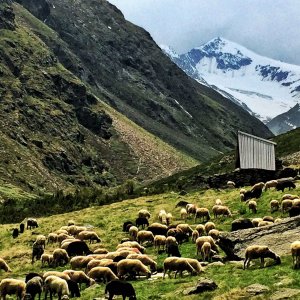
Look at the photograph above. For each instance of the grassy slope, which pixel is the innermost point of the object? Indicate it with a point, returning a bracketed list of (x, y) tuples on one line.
[(108, 220)]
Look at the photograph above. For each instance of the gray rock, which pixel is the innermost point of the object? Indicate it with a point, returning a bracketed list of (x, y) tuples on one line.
[(285, 294), (217, 263), (255, 289), (203, 285)]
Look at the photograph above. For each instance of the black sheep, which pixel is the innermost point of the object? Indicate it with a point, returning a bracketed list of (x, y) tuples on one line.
[(34, 287), (181, 237), (37, 251), (31, 275), (252, 194), (158, 230), (141, 222), (125, 226), (294, 211), (173, 250), (285, 184), (182, 204), (73, 288), (78, 248), (32, 223), (22, 227), (119, 287), (15, 233), (241, 224)]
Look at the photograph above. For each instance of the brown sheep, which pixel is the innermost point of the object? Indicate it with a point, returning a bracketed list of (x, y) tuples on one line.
[(159, 240), (274, 205), (201, 229), (258, 186), (177, 264), (209, 226), (11, 286), (252, 205), (295, 249), (79, 277), (132, 266), (102, 273), (203, 213), (47, 258), (80, 262), (145, 259), (60, 256), (4, 266), (286, 205), (202, 239)]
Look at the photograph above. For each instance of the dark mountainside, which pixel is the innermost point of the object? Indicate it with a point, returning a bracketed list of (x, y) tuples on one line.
[(125, 67), (54, 132)]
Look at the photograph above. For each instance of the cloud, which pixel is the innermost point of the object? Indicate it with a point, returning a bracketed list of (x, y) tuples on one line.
[(268, 27)]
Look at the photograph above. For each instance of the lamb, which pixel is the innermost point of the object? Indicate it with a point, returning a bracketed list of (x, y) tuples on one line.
[(144, 213), (201, 229), (60, 257), (209, 226), (32, 223), (195, 235), (286, 205), (4, 266), (79, 277), (158, 229), (88, 235), (125, 226), (11, 286), (252, 205), (202, 212), (185, 228), (274, 205), (140, 221), (259, 251), (133, 231), (132, 266), (118, 287), (145, 236), (219, 210), (271, 184), (230, 184), (177, 264), (183, 214), (34, 286), (206, 251), (258, 186), (295, 249), (256, 221), (145, 259), (52, 237), (79, 262), (159, 240), (214, 233), (285, 184), (54, 284), (47, 258), (202, 239)]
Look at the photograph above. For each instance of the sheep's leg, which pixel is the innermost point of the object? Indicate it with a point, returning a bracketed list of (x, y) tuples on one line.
[(262, 262), (176, 274)]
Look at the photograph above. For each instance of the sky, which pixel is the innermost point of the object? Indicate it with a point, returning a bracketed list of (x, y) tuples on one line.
[(267, 27)]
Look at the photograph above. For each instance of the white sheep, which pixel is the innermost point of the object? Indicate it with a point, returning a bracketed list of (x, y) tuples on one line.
[(274, 205), (60, 256), (214, 233), (169, 218), (278, 220), (271, 184), (206, 251), (145, 259), (252, 205), (57, 274), (47, 258), (79, 277), (132, 266), (88, 235), (243, 191), (201, 229), (100, 251), (177, 264), (203, 213), (259, 251), (286, 204), (195, 235), (191, 209), (230, 184), (41, 240), (256, 221), (79, 262), (220, 210), (4, 266), (195, 264), (145, 236), (144, 213), (289, 196), (258, 186), (71, 222), (202, 239), (209, 226), (295, 249), (131, 244), (296, 202), (56, 285), (264, 223), (183, 214), (52, 237), (185, 228), (162, 216), (102, 273), (133, 232), (218, 202), (170, 241), (10, 286), (159, 241)]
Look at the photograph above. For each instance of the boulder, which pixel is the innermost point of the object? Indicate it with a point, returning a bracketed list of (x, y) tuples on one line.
[(256, 289), (285, 293), (203, 285), (277, 236)]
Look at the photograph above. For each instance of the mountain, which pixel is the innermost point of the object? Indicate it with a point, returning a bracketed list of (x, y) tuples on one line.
[(126, 69), (286, 121), (261, 85)]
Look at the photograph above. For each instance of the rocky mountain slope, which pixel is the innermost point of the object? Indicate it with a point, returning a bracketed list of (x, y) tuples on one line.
[(54, 131), (262, 85), (125, 67)]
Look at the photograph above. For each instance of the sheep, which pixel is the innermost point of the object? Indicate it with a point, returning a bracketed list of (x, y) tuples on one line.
[(195, 235), (295, 249), (296, 202), (202, 212), (97, 263), (230, 184), (125, 226), (241, 223), (268, 218), (32, 223), (79, 262), (285, 184), (256, 193), (162, 216), (195, 264), (133, 231), (78, 248), (79, 277), (4, 266), (181, 237), (278, 220), (214, 233), (289, 196), (52, 237), (169, 218), (57, 274), (270, 184), (258, 186), (209, 226), (54, 284), (132, 266), (159, 240), (201, 228), (202, 239), (71, 222), (286, 205), (76, 229), (63, 236), (173, 250), (118, 287), (11, 286), (221, 210), (47, 258), (252, 205), (15, 233), (264, 223), (37, 251), (22, 227), (158, 229), (60, 231), (32, 275), (132, 244), (185, 228), (218, 202), (145, 236), (177, 264), (100, 251), (259, 251), (243, 191), (172, 232), (256, 221), (206, 251), (34, 286), (274, 205), (65, 243), (170, 240), (41, 240), (60, 257), (144, 213), (141, 221), (145, 259), (88, 235), (73, 288), (183, 214), (191, 209)]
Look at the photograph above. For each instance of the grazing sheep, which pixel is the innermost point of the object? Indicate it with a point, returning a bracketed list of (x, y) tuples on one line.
[(274, 205), (47, 258), (4, 266), (32, 223), (63, 236), (218, 202), (243, 191), (289, 196), (230, 184), (88, 236), (296, 202), (183, 214), (15, 233), (177, 264), (209, 226), (169, 218), (181, 237), (97, 263), (256, 193), (52, 237), (252, 205), (41, 240), (145, 236), (31, 275), (258, 186), (34, 287), (56, 285), (256, 221), (191, 209), (206, 251), (160, 241), (57, 274), (241, 223), (141, 221), (185, 228), (195, 235), (195, 264), (125, 226), (295, 249), (78, 248), (281, 186), (79, 262), (278, 220), (100, 251), (22, 227), (220, 210), (145, 259), (132, 244), (11, 286), (79, 277), (203, 213), (118, 287), (173, 250), (37, 251), (132, 267), (73, 289), (133, 231), (214, 233), (259, 251), (75, 230), (144, 213), (162, 216), (202, 239), (158, 229), (182, 203), (201, 228), (172, 232), (60, 257), (271, 184), (286, 205)]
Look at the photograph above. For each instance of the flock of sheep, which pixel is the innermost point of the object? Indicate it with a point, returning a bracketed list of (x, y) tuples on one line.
[(128, 260)]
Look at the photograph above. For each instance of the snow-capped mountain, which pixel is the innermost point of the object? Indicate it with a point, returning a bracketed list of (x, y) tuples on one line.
[(263, 86)]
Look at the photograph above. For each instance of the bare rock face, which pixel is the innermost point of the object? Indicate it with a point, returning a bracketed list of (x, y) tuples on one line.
[(277, 237), (203, 285)]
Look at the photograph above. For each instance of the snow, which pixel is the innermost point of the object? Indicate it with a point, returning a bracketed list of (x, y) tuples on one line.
[(168, 50)]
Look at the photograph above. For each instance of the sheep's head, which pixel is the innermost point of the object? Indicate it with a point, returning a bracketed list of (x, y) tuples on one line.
[(277, 260)]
